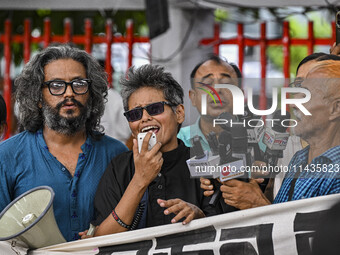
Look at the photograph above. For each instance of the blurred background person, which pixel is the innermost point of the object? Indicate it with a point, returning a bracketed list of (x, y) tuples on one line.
[(213, 70), (113, 120), (248, 194)]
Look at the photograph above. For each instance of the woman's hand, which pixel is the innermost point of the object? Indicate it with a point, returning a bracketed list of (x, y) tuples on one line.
[(83, 235), (182, 209), (147, 163)]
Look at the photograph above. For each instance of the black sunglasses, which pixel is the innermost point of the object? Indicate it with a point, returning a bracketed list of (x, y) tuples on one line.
[(152, 109)]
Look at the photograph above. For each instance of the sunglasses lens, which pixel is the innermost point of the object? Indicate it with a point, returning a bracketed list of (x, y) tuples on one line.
[(152, 109), (156, 108), (133, 115)]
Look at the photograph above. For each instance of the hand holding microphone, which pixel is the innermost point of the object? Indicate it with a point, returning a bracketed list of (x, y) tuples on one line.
[(225, 154), (148, 163), (275, 139)]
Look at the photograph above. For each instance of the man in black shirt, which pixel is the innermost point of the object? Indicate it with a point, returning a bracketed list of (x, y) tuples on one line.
[(150, 187)]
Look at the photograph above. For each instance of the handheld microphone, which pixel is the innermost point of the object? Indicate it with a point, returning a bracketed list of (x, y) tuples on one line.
[(197, 148), (239, 140), (225, 154), (255, 131), (275, 139), (224, 120), (241, 156), (201, 163), (213, 143), (224, 149), (246, 117), (231, 156), (230, 168), (240, 145)]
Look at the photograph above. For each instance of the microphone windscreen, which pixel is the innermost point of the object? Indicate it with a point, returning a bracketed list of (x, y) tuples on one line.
[(239, 139), (224, 138), (213, 143), (229, 117), (247, 115), (197, 147), (277, 127), (224, 148)]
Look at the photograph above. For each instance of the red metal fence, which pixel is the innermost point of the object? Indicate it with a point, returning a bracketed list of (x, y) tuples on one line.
[(88, 39), (286, 41)]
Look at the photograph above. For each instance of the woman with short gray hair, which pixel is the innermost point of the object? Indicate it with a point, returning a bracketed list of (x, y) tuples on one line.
[(149, 187)]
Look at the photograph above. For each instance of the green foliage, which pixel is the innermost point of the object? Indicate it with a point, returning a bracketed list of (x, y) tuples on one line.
[(43, 13), (299, 30), (220, 15), (119, 19)]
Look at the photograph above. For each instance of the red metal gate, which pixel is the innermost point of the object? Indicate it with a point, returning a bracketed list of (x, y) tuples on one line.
[(286, 41), (88, 39)]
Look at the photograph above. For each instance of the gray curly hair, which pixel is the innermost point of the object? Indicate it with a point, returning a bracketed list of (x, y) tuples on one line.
[(29, 88), (152, 76)]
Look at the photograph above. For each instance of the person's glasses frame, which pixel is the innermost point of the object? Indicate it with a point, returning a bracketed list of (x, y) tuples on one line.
[(83, 85), (152, 109), (296, 83)]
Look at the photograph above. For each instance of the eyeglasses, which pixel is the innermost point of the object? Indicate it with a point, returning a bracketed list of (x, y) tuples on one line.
[(296, 83), (58, 87), (152, 109)]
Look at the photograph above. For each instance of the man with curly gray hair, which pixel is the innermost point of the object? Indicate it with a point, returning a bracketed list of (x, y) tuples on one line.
[(60, 95)]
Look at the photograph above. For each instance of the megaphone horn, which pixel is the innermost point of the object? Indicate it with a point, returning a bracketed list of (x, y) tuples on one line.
[(30, 218)]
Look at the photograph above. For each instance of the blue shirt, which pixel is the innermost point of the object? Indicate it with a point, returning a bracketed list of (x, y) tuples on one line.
[(188, 132), (25, 163), (313, 179)]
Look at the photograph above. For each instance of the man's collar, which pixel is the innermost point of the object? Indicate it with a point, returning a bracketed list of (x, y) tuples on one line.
[(331, 155), (85, 147)]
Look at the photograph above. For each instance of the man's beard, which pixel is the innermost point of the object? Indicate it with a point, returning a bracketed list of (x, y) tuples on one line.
[(67, 126)]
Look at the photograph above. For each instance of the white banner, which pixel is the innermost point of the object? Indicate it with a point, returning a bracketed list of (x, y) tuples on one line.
[(279, 229)]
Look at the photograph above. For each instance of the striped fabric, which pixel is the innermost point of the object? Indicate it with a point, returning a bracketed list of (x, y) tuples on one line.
[(320, 177)]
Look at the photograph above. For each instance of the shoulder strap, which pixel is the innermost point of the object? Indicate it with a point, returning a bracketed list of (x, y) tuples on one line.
[(139, 220), (292, 186), (143, 205)]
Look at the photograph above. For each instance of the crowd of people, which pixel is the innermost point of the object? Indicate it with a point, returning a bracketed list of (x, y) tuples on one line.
[(61, 96)]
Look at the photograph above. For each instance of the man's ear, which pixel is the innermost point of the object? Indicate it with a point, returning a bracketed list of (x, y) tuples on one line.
[(180, 113), (192, 96), (335, 109)]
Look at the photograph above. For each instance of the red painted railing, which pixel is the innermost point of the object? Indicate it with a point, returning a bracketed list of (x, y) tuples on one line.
[(88, 39), (286, 41), (7, 78)]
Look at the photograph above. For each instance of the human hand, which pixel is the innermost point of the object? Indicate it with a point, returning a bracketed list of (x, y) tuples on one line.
[(243, 195), (335, 49), (257, 170), (207, 186), (147, 163), (83, 235), (182, 209)]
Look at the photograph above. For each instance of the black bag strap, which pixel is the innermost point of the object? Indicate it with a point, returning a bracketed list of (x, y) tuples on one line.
[(292, 186)]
